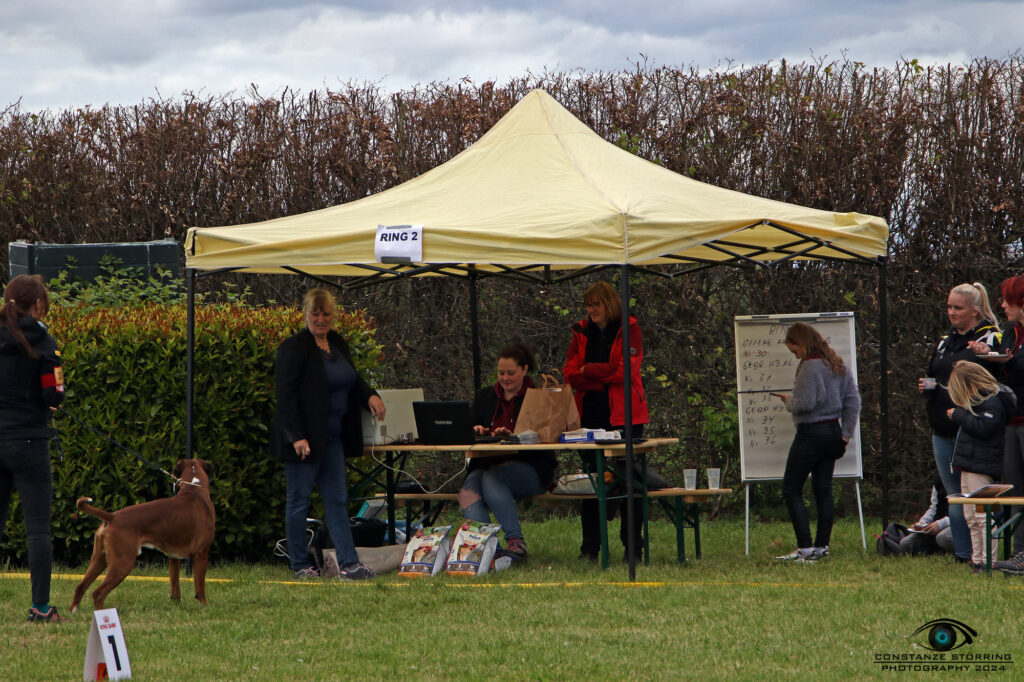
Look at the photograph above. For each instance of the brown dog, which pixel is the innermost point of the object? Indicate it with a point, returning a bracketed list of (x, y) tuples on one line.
[(181, 527)]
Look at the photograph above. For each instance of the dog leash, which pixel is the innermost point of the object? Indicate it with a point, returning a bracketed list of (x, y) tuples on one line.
[(60, 448)]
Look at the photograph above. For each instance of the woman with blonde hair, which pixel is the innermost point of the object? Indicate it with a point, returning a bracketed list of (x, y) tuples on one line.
[(825, 406), (972, 323), (982, 409), (317, 424)]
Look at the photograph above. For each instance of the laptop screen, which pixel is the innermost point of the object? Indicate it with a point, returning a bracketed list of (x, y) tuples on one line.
[(399, 423), (444, 422)]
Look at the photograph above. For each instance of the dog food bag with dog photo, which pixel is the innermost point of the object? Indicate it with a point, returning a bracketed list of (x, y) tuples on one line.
[(473, 548), (426, 554)]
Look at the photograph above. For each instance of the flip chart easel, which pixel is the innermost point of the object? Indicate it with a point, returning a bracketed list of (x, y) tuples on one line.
[(764, 365)]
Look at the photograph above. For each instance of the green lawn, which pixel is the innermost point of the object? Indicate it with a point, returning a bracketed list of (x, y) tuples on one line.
[(727, 616)]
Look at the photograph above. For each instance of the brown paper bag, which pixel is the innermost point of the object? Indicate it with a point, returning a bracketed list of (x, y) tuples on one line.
[(549, 410)]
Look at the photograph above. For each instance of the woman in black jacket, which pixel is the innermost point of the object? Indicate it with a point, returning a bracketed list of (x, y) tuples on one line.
[(971, 320), (31, 384), (316, 425), (983, 408)]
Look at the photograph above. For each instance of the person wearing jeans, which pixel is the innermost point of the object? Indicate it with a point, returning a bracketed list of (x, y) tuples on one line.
[(943, 448), (501, 486), (971, 323), (493, 484), (328, 473), (317, 424)]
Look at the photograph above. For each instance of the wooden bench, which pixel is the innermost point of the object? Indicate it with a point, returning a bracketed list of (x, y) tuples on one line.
[(986, 504), (680, 505)]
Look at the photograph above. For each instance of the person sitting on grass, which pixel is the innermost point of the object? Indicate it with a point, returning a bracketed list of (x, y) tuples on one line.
[(933, 533)]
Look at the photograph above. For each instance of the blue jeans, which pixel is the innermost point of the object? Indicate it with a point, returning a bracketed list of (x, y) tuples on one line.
[(328, 473), (25, 465), (943, 448), (812, 454), (499, 487)]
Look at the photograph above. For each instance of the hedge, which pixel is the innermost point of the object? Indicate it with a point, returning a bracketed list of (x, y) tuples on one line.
[(125, 377)]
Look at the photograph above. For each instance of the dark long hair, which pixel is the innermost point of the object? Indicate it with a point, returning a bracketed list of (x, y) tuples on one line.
[(20, 298)]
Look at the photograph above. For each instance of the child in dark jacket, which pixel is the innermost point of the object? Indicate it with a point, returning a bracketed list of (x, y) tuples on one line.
[(982, 409)]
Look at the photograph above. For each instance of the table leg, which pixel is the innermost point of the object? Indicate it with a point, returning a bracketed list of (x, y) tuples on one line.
[(645, 507), (680, 523), (602, 508), (389, 458), (695, 515), (988, 539)]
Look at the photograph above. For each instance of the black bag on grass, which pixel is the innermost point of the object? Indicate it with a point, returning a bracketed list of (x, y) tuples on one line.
[(888, 543)]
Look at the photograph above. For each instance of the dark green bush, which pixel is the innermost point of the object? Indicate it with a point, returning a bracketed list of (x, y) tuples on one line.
[(125, 376)]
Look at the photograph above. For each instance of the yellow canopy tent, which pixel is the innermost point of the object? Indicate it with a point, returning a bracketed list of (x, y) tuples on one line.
[(540, 191), (541, 188)]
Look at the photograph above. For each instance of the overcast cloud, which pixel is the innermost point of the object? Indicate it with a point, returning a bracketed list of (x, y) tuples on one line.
[(64, 54)]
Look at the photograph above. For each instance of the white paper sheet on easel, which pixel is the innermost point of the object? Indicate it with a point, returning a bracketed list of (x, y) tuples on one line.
[(399, 244), (106, 656)]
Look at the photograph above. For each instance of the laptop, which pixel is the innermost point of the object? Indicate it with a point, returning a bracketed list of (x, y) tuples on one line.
[(444, 422), (399, 423)]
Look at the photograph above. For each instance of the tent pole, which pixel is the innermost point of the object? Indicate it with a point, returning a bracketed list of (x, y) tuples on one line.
[(627, 384), (474, 324), (883, 399), (190, 355)]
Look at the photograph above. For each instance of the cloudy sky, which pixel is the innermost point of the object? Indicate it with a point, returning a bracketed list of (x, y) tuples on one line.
[(62, 54)]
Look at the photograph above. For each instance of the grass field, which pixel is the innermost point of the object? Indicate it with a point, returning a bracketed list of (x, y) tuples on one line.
[(727, 616)]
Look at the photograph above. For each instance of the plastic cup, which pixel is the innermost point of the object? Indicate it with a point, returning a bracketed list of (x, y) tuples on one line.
[(714, 478), (690, 479), (929, 383)]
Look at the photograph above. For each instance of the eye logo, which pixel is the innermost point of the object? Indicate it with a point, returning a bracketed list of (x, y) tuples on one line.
[(946, 634)]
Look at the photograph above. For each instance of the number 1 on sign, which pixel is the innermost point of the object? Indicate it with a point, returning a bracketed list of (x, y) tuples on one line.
[(106, 656)]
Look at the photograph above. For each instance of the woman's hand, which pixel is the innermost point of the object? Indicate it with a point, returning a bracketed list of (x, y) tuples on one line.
[(949, 413), (301, 448), (480, 430), (501, 431), (979, 347), (376, 406)]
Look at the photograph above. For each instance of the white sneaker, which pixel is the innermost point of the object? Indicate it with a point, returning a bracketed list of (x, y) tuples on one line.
[(801, 554)]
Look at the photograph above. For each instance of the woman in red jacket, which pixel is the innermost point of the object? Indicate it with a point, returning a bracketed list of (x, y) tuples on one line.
[(593, 367)]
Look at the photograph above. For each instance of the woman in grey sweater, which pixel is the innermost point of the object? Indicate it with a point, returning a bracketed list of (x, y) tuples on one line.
[(825, 405)]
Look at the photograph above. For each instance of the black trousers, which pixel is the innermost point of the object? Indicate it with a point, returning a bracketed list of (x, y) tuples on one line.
[(25, 467), (590, 516), (813, 453)]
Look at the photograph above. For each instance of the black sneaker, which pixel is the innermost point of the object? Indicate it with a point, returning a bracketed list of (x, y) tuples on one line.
[(48, 616), (1012, 566), (356, 572), (307, 573)]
